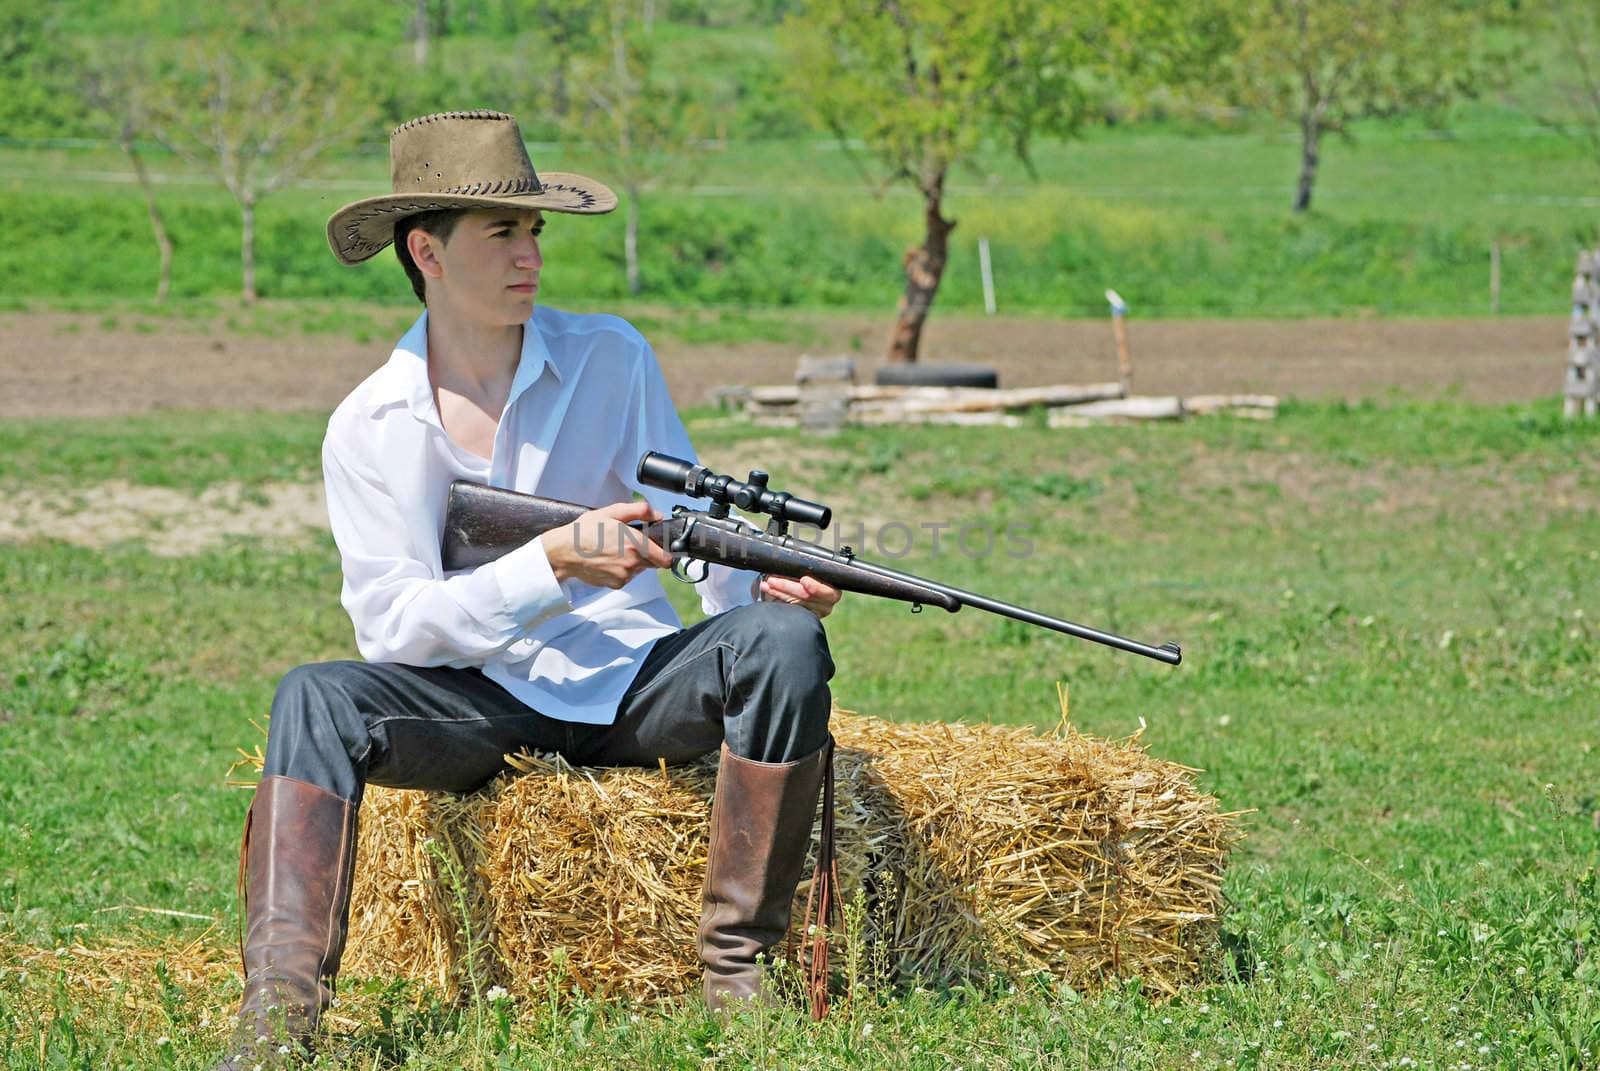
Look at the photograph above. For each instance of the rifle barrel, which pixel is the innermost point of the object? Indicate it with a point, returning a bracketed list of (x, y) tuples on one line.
[(1169, 652)]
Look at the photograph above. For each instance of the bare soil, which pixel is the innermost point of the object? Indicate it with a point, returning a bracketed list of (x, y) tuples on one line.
[(61, 364), (65, 364)]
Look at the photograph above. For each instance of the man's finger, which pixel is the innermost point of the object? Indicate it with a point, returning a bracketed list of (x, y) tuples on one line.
[(630, 511)]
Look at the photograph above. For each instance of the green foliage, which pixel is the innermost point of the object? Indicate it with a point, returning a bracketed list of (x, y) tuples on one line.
[(1324, 65), (1566, 51), (36, 87), (805, 252), (1338, 62), (1183, 217)]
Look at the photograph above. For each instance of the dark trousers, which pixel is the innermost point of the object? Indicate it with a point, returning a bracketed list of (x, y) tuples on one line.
[(755, 677)]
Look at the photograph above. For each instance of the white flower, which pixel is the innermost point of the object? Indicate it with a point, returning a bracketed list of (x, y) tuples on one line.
[(283, 1050), (496, 994), (163, 1041), (1277, 1024), (1522, 970), (866, 1030)]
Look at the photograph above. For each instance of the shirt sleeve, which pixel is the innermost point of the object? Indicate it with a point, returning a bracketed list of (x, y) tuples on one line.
[(653, 424), (403, 608)]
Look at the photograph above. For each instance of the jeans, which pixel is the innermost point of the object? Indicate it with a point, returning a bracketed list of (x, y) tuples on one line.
[(755, 677)]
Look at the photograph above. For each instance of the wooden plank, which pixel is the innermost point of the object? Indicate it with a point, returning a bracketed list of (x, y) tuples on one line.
[(949, 399), (1139, 407), (990, 417), (1206, 404)]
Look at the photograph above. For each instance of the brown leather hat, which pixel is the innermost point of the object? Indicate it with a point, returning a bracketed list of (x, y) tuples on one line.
[(458, 160)]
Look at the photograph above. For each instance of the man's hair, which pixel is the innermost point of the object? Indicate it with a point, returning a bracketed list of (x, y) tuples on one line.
[(441, 224)]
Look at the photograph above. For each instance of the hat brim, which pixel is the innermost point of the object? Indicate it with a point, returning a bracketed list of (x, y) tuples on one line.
[(359, 231)]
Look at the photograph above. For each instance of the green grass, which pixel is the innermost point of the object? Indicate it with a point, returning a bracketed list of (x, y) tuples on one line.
[(1182, 222), (1389, 621), (190, 450)]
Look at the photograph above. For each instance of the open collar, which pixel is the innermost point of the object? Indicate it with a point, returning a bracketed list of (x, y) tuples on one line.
[(405, 381)]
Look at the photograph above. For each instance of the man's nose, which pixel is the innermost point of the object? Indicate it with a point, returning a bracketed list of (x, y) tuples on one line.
[(529, 256)]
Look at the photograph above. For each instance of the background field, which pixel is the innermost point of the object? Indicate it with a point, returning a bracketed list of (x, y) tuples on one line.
[(1181, 223)]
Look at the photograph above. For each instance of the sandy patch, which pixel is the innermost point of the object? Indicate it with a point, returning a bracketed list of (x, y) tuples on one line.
[(168, 521)]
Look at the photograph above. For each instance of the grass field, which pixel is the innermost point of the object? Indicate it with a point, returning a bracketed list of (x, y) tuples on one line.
[(1389, 620), (1183, 220)]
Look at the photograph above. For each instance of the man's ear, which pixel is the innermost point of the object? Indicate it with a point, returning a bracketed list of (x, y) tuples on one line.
[(424, 249)]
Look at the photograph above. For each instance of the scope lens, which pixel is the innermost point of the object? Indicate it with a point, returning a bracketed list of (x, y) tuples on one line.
[(667, 473)]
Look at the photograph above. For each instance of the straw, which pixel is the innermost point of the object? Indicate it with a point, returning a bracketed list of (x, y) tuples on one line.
[(974, 851)]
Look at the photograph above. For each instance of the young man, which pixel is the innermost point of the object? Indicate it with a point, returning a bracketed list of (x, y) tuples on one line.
[(557, 646)]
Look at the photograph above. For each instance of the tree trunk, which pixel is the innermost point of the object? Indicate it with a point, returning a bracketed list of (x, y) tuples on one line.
[(419, 27), (924, 266), (1310, 138), (247, 251), (164, 280), (630, 241)]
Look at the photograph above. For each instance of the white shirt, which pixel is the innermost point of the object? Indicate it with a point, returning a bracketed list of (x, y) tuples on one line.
[(587, 400)]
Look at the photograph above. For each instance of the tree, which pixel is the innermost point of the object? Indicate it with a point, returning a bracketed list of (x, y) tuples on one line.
[(642, 125), (929, 84), (1326, 63), (255, 102), (112, 83), (1569, 53)]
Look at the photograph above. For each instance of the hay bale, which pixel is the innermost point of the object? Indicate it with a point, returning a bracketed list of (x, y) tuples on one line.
[(975, 850)]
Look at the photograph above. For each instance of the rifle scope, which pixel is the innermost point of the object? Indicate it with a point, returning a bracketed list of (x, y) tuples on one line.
[(751, 494)]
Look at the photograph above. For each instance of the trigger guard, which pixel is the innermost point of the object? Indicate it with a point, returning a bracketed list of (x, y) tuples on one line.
[(680, 569)]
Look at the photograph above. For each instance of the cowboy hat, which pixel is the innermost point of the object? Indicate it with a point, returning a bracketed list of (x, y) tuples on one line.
[(458, 160)]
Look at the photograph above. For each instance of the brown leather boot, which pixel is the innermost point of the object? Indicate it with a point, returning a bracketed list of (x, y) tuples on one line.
[(299, 847), (760, 829)]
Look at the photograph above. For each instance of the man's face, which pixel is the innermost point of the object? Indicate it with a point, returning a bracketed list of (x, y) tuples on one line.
[(489, 268)]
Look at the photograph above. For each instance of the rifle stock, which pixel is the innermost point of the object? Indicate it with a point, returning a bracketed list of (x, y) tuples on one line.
[(482, 523)]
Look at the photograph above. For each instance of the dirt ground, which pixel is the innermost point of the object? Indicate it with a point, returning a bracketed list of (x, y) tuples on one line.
[(60, 364)]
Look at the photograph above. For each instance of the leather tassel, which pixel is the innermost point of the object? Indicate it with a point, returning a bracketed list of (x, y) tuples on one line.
[(244, 863), (822, 902)]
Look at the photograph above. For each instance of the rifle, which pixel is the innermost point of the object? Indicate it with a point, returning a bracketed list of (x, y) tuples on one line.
[(482, 523)]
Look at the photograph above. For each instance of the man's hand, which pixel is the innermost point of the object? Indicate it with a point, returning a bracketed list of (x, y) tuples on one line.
[(600, 548), (808, 591)]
